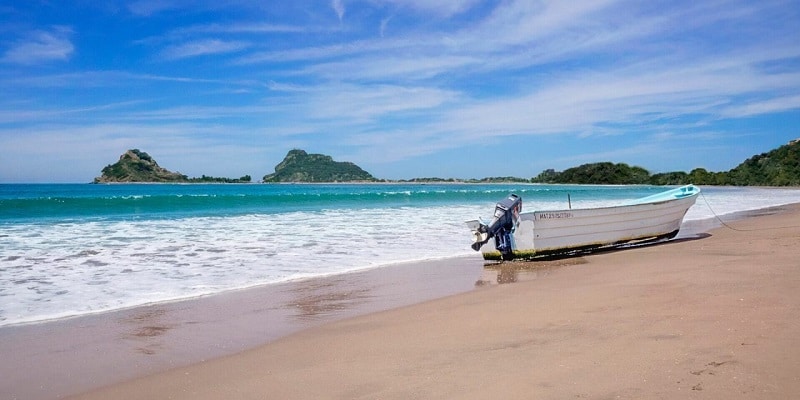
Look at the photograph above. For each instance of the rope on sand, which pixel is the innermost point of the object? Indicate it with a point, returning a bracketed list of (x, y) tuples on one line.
[(738, 229)]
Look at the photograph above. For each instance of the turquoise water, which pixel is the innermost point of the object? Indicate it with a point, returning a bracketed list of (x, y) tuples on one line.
[(53, 202), (71, 249)]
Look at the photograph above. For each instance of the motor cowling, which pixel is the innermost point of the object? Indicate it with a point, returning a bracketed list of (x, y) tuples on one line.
[(502, 226)]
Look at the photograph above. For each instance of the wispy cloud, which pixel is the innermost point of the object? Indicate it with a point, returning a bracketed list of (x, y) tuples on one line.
[(384, 25), (249, 27), (768, 106), (146, 8), (112, 78), (444, 8), (338, 7), (395, 81), (41, 46), (357, 103), (382, 68), (642, 94), (660, 86), (340, 50), (203, 48), (22, 114), (178, 146)]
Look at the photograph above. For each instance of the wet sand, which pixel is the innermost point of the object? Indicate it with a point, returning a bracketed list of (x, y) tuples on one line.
[(64, 357), (711, 316)]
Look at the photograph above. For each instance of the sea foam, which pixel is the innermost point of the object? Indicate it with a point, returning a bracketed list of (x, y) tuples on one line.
[(70, 266)]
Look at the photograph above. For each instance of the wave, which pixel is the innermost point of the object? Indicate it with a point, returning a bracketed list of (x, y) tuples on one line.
[(52, 202), (103, 248)]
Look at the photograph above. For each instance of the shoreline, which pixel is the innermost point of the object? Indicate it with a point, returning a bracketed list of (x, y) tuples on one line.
[(709, 316), (65, 356), (688, 227), (290, 281), (85, 354)]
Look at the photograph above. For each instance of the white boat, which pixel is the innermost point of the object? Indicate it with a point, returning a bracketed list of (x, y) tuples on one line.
[(540, 233)]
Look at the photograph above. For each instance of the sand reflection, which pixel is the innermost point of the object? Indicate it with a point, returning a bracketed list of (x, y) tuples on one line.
[(517, 271), (318, 298), (145, 327)]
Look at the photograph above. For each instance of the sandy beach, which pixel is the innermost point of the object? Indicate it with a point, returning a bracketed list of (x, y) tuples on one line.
[(710, 315)]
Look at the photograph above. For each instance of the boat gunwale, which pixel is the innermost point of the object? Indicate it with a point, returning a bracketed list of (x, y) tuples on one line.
[(612, 207)]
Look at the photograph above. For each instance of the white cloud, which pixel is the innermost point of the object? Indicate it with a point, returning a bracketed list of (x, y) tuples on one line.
[(338, 7), (382, 68), (146, 8), (757, 107), (310, 54), (110, 78), (639, 95), (235, 28), (41, 46), (445, 8), (245, 27), (202, 48), (448, 74), (359, 103), (181, 147), (384, 25), (22, 114)]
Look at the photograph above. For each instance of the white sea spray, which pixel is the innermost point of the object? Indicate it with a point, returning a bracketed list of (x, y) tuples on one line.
[(73, 266)]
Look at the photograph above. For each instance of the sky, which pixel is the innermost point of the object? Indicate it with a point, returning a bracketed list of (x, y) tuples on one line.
[(403, 88)]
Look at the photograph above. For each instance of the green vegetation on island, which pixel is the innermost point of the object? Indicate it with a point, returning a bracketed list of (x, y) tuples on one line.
[(493, 179), (214, 179), (603, 173), (136, 166), (779, 167), (499, 179), (299, 166)]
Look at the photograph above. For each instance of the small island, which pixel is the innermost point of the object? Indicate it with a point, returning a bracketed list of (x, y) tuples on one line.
[(135, 166), (299, 166)]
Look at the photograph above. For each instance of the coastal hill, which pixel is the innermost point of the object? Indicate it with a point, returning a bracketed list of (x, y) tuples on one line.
[(779, 167), (137, 166), (299, 166)]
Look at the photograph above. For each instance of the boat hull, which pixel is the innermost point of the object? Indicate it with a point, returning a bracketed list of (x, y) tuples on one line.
[(542, 233)]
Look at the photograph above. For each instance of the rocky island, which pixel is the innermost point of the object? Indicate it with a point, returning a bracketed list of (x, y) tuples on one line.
[(137, 166), (299, 166)]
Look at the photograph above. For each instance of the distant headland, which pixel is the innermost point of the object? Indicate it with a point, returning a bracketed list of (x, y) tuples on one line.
[(135, 166), (778, 167), (299, 166)]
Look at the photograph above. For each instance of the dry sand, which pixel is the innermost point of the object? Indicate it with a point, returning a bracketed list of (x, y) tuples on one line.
[(712, 316)]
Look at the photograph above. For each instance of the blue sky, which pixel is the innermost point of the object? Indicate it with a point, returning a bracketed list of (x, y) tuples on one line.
[(403, 88)]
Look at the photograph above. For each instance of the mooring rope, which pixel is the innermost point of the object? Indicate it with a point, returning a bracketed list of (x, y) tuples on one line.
[(738, 229)]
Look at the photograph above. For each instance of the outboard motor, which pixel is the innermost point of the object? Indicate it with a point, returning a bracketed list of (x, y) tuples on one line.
[(506, 218)]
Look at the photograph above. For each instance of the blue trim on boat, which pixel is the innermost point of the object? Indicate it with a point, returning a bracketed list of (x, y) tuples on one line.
[(677, 193)]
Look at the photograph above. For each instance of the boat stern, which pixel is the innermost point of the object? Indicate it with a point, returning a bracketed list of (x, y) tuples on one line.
[(501, 228)]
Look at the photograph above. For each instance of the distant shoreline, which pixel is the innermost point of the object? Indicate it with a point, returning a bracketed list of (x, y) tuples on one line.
[(387, 182)]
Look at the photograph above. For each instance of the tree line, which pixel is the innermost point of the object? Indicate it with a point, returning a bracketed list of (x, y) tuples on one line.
[(779, 167)]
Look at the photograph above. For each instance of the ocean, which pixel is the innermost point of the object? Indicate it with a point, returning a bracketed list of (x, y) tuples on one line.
[(74, 249)]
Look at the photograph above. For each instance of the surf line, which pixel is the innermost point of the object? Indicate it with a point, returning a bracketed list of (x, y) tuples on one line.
[(739, 229)]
